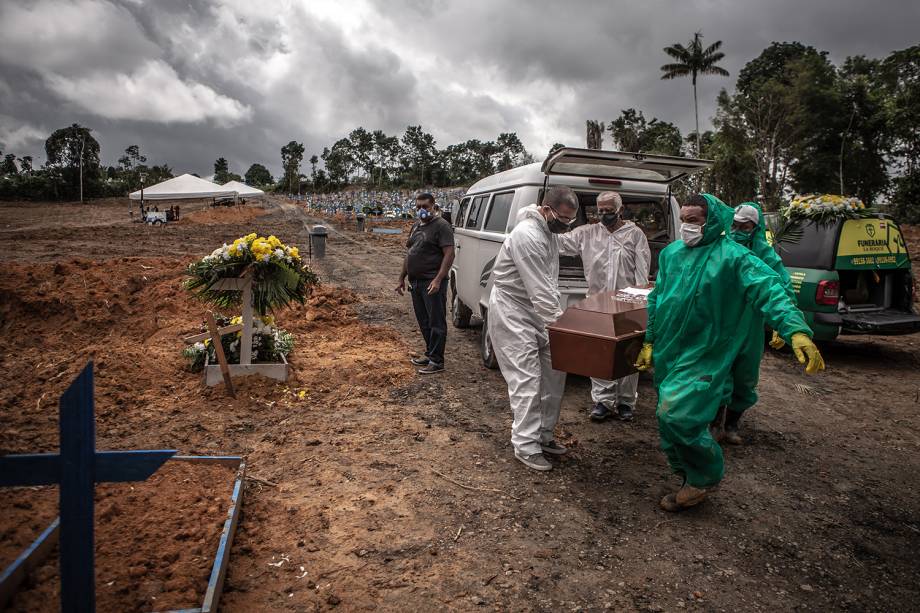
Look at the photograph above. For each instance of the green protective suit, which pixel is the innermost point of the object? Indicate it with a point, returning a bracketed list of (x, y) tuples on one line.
[(699, 315), (741, 388)]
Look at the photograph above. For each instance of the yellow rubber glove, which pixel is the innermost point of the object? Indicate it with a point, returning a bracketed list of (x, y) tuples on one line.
[(803, 347), (777, 341), (644, 361)]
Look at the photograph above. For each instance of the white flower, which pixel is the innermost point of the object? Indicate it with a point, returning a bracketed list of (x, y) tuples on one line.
[(199, 346), (266, 257), (279, 253)]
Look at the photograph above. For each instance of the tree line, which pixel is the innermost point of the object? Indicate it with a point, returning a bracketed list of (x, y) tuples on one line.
[(796, 123), (370, 158), (73, 170), (376, 159)]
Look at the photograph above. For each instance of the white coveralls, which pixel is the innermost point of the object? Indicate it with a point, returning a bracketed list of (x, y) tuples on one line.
[(524, 300), (612, 261)]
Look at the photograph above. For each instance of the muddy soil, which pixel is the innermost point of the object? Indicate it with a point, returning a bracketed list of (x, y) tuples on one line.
[(380, 489), (154, 542)]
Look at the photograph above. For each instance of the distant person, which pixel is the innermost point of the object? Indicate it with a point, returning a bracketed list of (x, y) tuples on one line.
[(616, 255), (428, 260), (177, 212)]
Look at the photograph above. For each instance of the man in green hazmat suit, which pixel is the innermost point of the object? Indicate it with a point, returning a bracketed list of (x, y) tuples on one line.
[(707, 290), (748, 229)]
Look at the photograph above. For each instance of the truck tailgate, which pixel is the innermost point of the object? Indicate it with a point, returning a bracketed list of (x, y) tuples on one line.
[(887, 321)]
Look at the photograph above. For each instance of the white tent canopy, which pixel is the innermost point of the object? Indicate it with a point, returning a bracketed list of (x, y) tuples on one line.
[(183, 187), (246, 191)]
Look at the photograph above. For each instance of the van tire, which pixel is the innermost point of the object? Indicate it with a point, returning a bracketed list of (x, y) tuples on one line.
[(485, 344), (460, 314)]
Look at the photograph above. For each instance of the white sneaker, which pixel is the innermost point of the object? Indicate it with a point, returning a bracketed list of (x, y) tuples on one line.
[(535, 461)]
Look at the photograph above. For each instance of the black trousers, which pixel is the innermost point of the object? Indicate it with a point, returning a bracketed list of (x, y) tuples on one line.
[(431, 314)]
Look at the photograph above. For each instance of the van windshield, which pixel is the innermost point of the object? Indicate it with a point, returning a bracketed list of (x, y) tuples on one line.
[(814, 248)]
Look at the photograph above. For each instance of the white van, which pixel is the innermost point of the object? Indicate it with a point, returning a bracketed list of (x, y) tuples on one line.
[(489, 209)]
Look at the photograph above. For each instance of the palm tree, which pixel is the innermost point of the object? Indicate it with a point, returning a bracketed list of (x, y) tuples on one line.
[(693, 60)]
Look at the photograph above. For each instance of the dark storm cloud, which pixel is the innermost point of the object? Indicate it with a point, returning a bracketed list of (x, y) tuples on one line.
[(191, 81), (610, 53)]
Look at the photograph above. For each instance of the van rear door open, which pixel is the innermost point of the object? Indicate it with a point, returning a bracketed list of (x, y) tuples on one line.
[(617, 165)]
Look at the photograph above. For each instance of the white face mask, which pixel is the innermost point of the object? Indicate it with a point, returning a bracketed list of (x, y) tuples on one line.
[(691, 233)]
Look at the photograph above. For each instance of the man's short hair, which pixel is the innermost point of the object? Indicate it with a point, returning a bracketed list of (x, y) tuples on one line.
[(610, 197), (425, 196), (697, 200), (560, 195)]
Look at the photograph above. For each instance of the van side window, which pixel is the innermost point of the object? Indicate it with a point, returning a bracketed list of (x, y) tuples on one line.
[(472, 219), (461, 211), (497, 220)]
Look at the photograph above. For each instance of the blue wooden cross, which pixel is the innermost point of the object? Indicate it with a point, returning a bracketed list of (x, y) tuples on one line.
[(77, 468)]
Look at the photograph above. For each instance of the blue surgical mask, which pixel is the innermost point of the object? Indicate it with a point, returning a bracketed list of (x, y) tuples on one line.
[(424, 214)]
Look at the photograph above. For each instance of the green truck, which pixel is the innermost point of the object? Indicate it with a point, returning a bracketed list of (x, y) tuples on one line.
[(851, 276)]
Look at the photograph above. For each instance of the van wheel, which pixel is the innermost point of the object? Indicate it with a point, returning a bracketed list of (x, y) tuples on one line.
[(485, 344), (460, 314)]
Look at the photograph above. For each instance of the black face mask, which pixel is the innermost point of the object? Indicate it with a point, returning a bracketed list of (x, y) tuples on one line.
[(610, 219), (557, 227)]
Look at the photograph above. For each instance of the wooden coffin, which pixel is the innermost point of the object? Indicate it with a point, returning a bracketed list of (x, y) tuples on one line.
[(599, 336)]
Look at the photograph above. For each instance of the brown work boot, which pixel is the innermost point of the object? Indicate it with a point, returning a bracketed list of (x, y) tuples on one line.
[(732, 436), (669, 503), (688, 496)]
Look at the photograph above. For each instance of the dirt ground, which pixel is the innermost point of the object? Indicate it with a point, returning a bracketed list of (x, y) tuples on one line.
[(381, 490), (155, 542)]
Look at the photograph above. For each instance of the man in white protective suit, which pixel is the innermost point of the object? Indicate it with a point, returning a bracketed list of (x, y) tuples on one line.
[(615, 254), (524, 301)]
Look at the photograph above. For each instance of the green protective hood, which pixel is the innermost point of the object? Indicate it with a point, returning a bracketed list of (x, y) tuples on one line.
[(759, 244), (764, 250), (718, 219)]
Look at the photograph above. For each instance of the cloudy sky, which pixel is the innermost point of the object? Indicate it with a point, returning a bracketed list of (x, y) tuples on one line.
[(192, 80)]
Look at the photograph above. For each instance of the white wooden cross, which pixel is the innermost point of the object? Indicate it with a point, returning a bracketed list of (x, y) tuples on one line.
[(212, 372)]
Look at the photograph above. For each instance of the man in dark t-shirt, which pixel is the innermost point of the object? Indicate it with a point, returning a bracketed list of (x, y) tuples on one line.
[(428, 260)]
